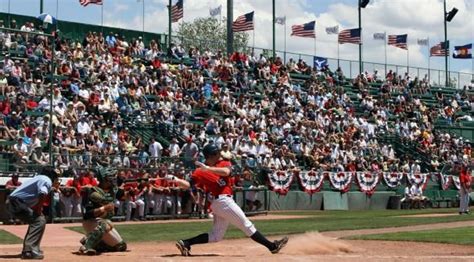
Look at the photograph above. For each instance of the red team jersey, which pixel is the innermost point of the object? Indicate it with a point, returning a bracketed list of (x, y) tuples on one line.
[(212, 183)]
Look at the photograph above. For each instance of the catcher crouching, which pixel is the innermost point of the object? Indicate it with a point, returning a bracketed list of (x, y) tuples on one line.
[(101, 236)]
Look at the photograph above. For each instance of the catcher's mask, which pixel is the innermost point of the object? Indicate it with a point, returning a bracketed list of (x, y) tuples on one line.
[(107, 174)]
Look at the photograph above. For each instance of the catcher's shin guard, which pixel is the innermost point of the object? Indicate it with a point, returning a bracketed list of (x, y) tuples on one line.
[(94, 237)]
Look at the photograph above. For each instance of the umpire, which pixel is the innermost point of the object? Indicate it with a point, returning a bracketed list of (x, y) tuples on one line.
[(26, 203)]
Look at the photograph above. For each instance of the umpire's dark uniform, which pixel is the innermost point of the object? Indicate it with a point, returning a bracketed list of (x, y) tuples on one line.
[(21, 203)]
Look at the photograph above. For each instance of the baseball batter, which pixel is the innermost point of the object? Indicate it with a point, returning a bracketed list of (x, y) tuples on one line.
[(214, 176), (101, 235)]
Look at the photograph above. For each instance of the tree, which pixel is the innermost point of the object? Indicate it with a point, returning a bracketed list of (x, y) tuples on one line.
[(209, 33)]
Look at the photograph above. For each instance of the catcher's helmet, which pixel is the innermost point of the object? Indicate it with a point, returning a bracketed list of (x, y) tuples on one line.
[(104, 174), (210, 150)]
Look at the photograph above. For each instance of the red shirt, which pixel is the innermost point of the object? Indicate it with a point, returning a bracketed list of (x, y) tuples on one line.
[(10, 183), (156, 63), (77, 185), (465, 177), (29, 131), (31, 104), (89, 181), (212, 183)]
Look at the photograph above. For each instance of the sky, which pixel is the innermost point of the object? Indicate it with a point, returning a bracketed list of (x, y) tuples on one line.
[(417, 18)]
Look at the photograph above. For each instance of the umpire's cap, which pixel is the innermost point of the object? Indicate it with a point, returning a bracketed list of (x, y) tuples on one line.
[(50, 172), (210, 150)]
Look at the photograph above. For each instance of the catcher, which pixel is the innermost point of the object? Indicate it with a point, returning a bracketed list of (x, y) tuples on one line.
[(99, 208)]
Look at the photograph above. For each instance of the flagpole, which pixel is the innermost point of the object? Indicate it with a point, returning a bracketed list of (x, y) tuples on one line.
[(472, 62), (102, 17), (315, 46), (337, 42), (143, 21), (429, 60), (284, 54), (385, 47), (57, 9), (408, 60), (9, 14), (253, 39)]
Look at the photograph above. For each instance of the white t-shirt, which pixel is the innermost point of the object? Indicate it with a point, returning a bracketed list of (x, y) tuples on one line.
[(155, 149), (174, 150), (83, 128)]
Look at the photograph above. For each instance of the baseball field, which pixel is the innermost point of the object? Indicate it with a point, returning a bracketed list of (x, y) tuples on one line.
[(421, 235)]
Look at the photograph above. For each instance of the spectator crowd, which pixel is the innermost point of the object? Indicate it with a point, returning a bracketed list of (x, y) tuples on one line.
[(265, 114)]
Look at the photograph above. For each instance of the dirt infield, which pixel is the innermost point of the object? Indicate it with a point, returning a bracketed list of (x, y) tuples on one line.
[(308, 247), (60, 245)]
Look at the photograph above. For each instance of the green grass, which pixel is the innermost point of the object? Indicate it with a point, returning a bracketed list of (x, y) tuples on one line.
[(460, 236), (7, 238), (317, 221)]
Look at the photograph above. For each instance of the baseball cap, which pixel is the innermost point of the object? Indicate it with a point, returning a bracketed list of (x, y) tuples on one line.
[(210, 150)]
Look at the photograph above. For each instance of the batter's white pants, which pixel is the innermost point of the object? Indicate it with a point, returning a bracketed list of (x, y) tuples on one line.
[(464, 200), (139, 206), (226, 211)]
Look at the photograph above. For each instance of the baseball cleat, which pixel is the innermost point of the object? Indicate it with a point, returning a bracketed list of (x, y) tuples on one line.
[(87, 251), (183, 248), (279, 244), (31, 255)]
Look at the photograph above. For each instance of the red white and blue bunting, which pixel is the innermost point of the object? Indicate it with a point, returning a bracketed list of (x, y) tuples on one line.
[(341, 181), (311, 182), (418, 179), (393, 180), (367, 181), (445, 181), (456, 182), (280, 181)]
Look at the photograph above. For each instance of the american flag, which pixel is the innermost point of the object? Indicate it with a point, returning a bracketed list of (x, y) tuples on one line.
[(379, 36), (215, 11), (243, 23), (351, 36), (439, 50), (177, 11), (280, 20), (399, 41), (87, 2), (304, 30), (422, 41), (334, 30)]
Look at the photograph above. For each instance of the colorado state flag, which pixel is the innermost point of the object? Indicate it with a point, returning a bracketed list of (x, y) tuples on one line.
[(463, 52)]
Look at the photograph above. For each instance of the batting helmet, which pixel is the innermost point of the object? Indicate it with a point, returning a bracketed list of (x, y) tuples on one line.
[(210, 150)]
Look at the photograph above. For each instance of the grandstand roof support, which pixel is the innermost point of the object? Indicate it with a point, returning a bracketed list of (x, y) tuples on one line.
[(273, 15), (51, 93), (169, 24), (362, 4), (230, 33), (446, 45)]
